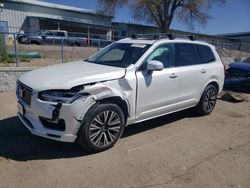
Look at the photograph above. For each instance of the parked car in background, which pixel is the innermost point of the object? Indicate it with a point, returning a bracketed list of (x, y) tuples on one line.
[(247, 60), (238, 75), (99, 41), (54, 37), (129, 81)]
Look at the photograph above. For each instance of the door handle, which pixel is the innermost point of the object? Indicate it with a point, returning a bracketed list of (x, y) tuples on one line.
[(173, 75), (203, 70)]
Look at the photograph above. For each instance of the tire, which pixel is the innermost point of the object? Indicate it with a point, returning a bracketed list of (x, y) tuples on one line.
[(102, 126), (35, 42), (207, 101), (75, 44)]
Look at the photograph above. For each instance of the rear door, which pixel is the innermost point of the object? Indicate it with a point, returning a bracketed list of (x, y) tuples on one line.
[(59, 36), (193, 73), (48, 37)]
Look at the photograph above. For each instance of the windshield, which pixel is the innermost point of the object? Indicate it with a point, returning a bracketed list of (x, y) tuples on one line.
[(119, 54)]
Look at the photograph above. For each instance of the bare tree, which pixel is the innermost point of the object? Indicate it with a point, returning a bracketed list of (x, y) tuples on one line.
[(162, 12)]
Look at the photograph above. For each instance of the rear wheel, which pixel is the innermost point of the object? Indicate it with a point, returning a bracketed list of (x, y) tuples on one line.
[(208, 100), (102, 126), (35, 42), (75, 44)]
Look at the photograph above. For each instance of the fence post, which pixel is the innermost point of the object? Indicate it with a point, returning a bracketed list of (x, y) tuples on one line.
[(62, 52), (88, 37), (16, 54), (221, 49), (99, 44), (240, 50)]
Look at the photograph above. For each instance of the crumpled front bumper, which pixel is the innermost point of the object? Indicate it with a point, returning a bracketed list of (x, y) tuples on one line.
[(72, 114)]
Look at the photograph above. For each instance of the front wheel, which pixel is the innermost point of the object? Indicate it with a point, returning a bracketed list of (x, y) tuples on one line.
[(102, 126), (208, 100)]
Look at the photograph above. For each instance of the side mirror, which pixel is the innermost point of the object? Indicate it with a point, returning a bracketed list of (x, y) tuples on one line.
[(154, 66), (43, 36)]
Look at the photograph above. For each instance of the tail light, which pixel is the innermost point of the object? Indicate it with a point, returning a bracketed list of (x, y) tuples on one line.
[(85, 40), (223, 63)]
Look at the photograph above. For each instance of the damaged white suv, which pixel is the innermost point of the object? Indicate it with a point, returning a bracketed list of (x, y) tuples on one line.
[(129, 81)]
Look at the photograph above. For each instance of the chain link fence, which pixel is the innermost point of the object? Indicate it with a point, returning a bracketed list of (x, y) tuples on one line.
[(38, 49), (41, 50)]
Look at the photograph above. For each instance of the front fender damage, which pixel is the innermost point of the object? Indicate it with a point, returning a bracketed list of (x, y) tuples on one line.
[(100, 91)]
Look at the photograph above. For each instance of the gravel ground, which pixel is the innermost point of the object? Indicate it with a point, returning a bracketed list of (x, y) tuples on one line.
[(178, 150)]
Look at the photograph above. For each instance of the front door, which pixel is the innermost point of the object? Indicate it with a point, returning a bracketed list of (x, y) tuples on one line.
[(157, 92)]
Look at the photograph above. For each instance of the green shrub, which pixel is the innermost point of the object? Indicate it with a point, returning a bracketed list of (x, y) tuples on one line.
[(4, 58), (24, 59)]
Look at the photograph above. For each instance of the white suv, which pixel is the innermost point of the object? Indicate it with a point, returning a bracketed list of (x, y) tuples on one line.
[(129, 81)]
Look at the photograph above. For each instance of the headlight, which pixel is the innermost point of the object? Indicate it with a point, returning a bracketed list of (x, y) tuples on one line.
[(62, 96)]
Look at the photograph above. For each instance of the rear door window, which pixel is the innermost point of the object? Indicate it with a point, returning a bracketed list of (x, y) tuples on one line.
[(60, 34), (206, 53), (49, 33), (186, 54)]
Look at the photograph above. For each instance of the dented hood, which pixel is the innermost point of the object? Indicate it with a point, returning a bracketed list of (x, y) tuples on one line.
[(68, 75)]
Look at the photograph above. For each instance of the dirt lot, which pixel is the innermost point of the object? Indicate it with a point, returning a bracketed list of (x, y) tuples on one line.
[(178, 150)]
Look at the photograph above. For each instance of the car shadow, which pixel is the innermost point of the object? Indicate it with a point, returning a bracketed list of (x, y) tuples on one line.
[(16, 142)]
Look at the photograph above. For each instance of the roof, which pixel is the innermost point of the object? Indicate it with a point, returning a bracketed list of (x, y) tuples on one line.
[(240, 34), (134, 24), (58, 6), (161, 40), (200, 35)]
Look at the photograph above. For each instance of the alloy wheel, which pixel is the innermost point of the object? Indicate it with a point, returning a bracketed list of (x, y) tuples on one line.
[(105, 128), (210, 100)]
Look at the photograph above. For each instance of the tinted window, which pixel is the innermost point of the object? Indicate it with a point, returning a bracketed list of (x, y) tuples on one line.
[(60, 34), (49, 33), (186, 54), (163, 54), (206, 54)]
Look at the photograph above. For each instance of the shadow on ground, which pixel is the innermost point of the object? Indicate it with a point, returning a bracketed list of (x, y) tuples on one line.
[(18, 144)]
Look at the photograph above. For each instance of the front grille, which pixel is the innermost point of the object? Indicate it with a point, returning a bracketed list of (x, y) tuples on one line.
[(24, 92)]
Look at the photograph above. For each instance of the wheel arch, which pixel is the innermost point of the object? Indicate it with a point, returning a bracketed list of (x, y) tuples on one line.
[(210, 82), (216, 84), (118, 101)]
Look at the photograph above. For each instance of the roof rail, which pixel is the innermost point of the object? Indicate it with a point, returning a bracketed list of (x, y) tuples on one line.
[(191, 37), (155, 36)]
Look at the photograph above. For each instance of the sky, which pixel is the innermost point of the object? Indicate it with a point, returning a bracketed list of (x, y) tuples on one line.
[(231, 18)]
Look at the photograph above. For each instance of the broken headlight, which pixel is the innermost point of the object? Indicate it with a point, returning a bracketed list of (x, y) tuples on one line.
[(62, 96)]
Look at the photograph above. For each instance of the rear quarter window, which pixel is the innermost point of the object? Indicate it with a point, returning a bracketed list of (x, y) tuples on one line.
[(206, 54)]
